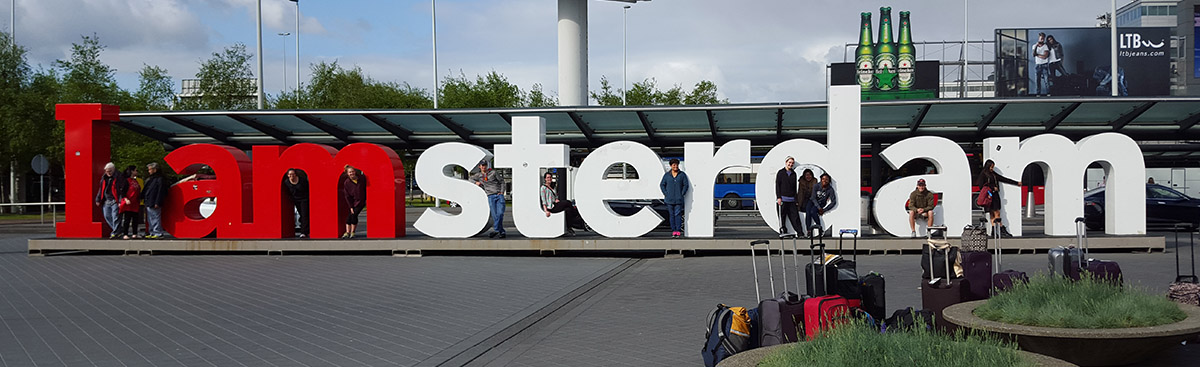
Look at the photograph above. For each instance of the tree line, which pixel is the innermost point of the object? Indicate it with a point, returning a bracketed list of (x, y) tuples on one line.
[(226, 82)]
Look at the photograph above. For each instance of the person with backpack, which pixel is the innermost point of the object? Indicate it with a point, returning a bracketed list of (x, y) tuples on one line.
[(154, 195), (989, 194), (786, 184), (823, 199), (674, 186)]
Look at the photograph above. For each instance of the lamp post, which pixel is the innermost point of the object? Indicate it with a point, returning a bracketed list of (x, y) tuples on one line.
[(260, 55), (298, 83), (436, 85), (624, 54), (284, 62)]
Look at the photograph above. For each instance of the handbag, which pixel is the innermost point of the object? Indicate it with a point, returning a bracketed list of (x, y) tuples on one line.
[(985, 197)]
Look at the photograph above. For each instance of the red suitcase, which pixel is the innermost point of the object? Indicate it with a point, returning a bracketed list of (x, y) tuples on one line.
[(824, 311)]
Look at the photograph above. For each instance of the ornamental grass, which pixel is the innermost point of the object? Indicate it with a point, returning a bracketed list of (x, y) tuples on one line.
[(1088, 303)]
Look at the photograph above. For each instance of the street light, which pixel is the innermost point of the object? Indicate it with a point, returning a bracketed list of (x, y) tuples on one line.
[(624, 53), (284, 62), (260, 55), (298, 83), (433, 4)]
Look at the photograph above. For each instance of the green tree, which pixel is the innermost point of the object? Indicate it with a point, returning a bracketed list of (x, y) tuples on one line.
[(333, 87), (646, 93), (491, 90), (538, 98), (156, 90), (705, 92), (226, 82), (607, 96), (86, 79)]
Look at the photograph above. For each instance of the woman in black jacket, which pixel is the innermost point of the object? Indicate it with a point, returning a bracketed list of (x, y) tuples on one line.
[(991, 180), (786, 181)]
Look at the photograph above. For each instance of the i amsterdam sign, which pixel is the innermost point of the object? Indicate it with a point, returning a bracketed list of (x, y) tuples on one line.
[(253, 207)]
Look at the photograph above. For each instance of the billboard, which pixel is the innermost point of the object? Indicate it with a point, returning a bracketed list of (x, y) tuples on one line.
[(1076, 62)]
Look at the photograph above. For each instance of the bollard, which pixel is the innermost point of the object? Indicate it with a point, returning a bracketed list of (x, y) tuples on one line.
[(1029, 205)]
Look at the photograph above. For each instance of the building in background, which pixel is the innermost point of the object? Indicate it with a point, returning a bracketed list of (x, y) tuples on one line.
[(1160, 13), (1187, 30)]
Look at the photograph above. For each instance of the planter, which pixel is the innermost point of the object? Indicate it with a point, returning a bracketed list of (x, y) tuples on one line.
[(751, 358), (1085, 347)]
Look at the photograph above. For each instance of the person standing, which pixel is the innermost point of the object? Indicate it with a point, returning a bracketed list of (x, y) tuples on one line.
[(823, 199), (786, 183), (990, 180), (154, 194), (551, 204), (493, 186), (296, 187), (129, 203), (354, 194), (674, 186), (920, 205), (1056, 69), (106, 197), (1041, 61)]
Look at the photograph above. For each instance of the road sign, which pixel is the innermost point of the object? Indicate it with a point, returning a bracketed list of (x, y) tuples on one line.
[(40, 164)]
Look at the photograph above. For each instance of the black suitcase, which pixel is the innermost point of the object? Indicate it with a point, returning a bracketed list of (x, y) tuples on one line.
[(777, 317), (977, 263), (874, 295), (941, 292), (840, 277), (930, 255)]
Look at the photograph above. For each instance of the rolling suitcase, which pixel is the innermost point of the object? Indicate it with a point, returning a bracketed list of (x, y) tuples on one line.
[(1004, 280), (1185, 288), (1107, 270), (1066, 261), (817, 281), (823, 311), (847, 284), (873, 295), (930, 254), (977, 262), (941, 292), (777, 317)]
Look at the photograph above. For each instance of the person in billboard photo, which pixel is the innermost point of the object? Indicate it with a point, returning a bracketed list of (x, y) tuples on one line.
[(1041, 60), (1056, 59)]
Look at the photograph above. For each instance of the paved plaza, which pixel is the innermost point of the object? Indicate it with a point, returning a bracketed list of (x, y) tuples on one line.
[(381, 310)]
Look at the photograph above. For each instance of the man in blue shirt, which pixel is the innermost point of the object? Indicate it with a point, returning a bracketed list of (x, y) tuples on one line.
[(674, 186)]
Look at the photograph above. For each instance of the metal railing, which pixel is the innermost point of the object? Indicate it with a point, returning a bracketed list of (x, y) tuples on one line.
[(42, 208)]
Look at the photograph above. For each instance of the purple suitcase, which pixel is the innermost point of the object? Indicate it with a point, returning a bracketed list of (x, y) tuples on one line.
[(1004, 280), (1107, 270), (977, 268)]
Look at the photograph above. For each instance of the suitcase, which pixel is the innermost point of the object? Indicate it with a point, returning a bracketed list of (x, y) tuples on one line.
[(977, 261), (1004, 280), (846, 284), (1066, 261), (816, 280), (1185, 288), (873, 295), (822, 311), (930, 254), (905, 319), (941, 292), (777, 317), (1107, 270)]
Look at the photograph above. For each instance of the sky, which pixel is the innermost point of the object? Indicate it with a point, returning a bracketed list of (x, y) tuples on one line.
[(754, 50)]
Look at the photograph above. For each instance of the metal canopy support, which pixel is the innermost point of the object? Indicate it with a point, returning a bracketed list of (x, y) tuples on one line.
[(712, 124), (1188, 123), (990, 116), (779, 124), (212, 132), (1062, 115), (916, 121), (337, 132), (462, 132), (1125, 119), (646, 125), (163, 137), (507, 118), (274, 132), (583, 127), (399, 132)]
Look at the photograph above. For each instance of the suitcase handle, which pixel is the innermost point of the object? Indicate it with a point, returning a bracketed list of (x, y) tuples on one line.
[(854, 235), (754, 262), (1179, 277)]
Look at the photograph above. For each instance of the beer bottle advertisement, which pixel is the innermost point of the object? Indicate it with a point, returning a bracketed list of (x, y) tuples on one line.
[(885, 59), (865, 55), (906, 56)]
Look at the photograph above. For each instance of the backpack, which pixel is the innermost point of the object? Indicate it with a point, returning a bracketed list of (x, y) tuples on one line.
[(728, 333)]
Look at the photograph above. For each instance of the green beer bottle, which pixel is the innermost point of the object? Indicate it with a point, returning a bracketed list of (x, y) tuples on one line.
[(906, 55), (885, 56), (865, 55)]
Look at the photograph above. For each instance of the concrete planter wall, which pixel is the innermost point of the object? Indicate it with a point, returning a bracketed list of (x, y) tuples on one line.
[(1085, 347), (752, 357)]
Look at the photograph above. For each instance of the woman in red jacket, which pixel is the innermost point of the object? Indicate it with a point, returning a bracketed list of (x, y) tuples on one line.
[(129, 203)]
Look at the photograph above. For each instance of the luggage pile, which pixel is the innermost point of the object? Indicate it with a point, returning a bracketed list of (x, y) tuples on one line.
[(967, 271), (834, 294), (1071, 260)]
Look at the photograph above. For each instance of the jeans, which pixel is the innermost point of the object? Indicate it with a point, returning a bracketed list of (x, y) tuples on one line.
[(676, 213), (154, 222), (111, 214), (496, 204), (812, 218), (1043, 83)]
